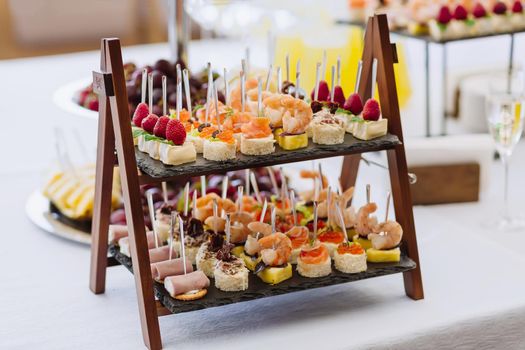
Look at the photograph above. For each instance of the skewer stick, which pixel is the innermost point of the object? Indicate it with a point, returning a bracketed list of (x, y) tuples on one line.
[(186, 198), (316, 88), (243, 91), (224, 191), (151, 209), (150, 92), (323, 66), (182, 244), (332, 88), (209, 92), (316, 189), (284, 186), (358, 77), (240, 191), (179, 71), (173, 218), (165, 191), (215, 213), (279, 80), (367, 193), (255, 187), (387, 206), (217, 114), (243, 65), (341, 222), (259, 97), (297, 77), (247, 181), (203, 185), (272, 180), (194, 204), (273, 217), (144, 85), (339, 70), (187, 91), (226, 88), (228, 228), (263, 211), (321, 176), (164, 96), (287, 67), (328, 205), (374, 77), (247, 57), (315, 223), (292, 204), (268, 79), (178, 95)]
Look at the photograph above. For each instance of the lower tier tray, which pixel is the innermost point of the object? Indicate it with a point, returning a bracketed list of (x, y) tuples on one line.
[(258, 289)]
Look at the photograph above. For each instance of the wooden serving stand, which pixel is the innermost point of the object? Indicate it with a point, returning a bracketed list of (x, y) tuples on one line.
[(115, 133)]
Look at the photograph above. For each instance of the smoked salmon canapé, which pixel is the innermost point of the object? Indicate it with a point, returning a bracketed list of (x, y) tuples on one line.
[(257, 137), (299, 237), (350, 258), (314, 261), (331, 239), (219, 146)]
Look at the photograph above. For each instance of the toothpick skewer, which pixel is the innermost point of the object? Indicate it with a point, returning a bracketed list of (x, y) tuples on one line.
[(247, 181), (279, 80), (341, 222), (297, 78), (151, 209), (259, 97), (284, 187), (178, 95), (203, 185), (224, 191), (292, 204), (164, 96), (323, 66), (215, 213), (287, 67), (209, 92), (228, 228), (144, 85), (186, 198), (332, 88), (187, 91), (316, 91), (263, 211), (150, 92), (194, 204), (367, 193), (182, 244), (374, 77), (273, 217), (217, 114), (268, 79), (321, 176), (273, 181), (173, 218), (315, 223), (387, 206), (328, 205), (247, 58), (243, 91), (255, 187), (358, 77), (316, 189), (240, 191), (165, 191), (339, 70), (226, 88)]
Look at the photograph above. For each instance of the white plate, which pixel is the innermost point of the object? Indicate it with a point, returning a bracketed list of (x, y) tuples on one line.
[(37, 209), (65, 96)]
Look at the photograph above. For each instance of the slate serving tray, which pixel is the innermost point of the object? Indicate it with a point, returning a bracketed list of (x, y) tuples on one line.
[(156, 169), (258, 289)]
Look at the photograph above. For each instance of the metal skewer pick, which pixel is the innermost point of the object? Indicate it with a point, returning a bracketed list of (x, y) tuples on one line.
[(187, 91), (203, 185), (165, 191), (316, 88), (173, 218), (332, 88), (255, 187), (263, 211), (358, 76), (268, 79), (341, 222), (292, 204), (150, 92), (151, 209), (182, 244), (186, 198), (164, 96), (374, 77), (144, 85)]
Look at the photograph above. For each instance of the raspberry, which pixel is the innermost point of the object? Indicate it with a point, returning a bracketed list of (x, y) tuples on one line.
[(149, 122), (339, 96), (93, 104), (500, 8), (141, 112), (160, 128), (354, 104), (460, 13), (175, 132), (371, 110), (444, 15), (324, 92), (517, 7), (479, 11)]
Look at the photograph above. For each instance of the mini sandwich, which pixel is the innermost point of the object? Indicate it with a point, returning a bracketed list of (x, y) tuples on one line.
[(257, 137), (186, 287), (440, 27), (314, 261), (350, 258), (331, 239), (372, 125), (220, 146), (500, 18), (327, 129), (517, 17), (195, 137), (195, 237), (299, 237), (230, 273), (206, 258)]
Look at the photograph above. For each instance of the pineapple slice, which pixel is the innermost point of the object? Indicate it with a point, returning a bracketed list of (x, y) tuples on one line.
[(249, 261), (365, 243), (238, 251), (274, 275), (291, 142), (377, 256), (277, 135)]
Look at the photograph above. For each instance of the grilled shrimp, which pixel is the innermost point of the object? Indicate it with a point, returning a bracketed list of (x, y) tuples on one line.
[(365, 223), (389, 235), (275, 249)]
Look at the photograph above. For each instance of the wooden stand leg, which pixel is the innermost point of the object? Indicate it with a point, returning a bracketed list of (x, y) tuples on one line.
[(349, 171), (132, 199), (102, 200)]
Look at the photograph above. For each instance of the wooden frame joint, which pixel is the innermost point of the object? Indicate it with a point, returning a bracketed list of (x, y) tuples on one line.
[(103, 84)]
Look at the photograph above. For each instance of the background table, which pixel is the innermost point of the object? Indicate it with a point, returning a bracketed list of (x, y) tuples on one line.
[(473, 275)]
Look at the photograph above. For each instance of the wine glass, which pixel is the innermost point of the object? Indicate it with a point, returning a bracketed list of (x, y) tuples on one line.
[(505, 112)]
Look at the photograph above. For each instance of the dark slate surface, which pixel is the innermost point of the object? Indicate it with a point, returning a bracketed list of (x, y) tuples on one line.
[(201, 166), (258, 289)]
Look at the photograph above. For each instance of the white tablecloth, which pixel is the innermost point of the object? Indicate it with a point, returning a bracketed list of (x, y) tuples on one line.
[(473, 275)]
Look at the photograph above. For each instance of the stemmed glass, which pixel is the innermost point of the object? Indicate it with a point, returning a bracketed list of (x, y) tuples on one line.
[(505, 112)]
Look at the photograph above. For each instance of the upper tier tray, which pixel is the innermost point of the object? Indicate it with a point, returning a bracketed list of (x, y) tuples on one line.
[(428, 38), (156, 169), (258, 289)]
